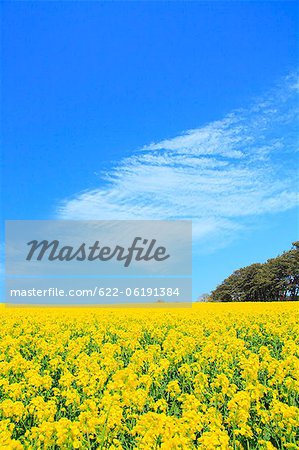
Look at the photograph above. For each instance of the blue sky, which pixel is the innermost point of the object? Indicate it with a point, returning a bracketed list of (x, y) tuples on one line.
[(158, 110)]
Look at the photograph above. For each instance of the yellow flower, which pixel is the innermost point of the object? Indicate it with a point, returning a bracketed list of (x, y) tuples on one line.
[(213, 376)]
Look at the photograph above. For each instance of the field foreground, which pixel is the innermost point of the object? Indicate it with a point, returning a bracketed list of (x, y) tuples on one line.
[(214, 376)]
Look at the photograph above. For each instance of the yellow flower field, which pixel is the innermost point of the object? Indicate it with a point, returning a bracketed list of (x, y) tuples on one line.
[(214, 376)]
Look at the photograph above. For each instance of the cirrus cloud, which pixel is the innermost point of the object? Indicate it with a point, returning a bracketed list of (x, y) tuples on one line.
[(222, 175)]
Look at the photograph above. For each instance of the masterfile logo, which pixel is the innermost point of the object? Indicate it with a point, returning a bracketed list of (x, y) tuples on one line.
[(114, 260), (63, 247), (140, 250)]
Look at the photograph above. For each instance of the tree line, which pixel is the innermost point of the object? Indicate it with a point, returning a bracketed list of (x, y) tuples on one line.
[(275, 280)]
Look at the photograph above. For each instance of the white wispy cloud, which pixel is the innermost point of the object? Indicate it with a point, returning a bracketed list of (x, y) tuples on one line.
[(220, 175)]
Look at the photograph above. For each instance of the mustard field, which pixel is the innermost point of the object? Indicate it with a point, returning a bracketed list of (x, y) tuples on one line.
[(212, 376)]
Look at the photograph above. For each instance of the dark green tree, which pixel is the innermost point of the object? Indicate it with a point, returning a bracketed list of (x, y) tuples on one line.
[(275, 280)]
